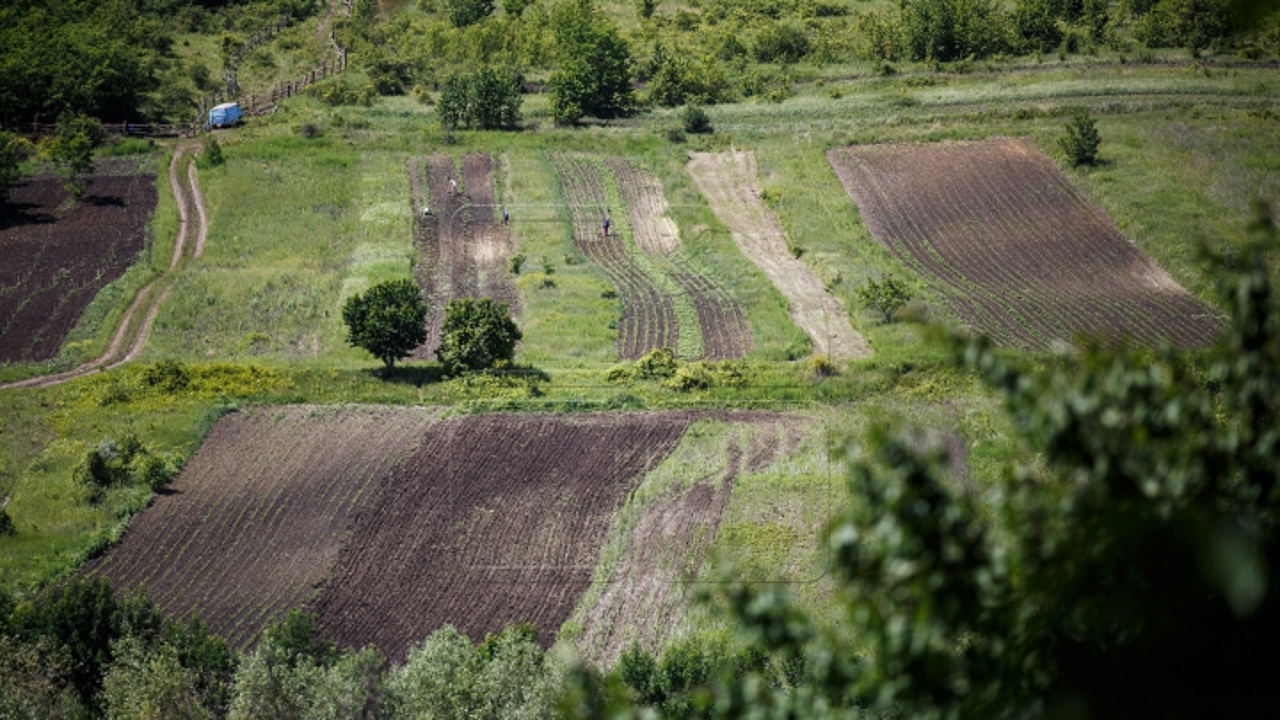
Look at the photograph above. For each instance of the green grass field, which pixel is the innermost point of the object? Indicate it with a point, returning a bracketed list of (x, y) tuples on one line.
[(298, 225)]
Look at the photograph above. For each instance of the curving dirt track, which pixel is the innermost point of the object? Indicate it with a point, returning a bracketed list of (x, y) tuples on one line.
[(463, 246), (728, 182), (1014, 248), (135, 325)]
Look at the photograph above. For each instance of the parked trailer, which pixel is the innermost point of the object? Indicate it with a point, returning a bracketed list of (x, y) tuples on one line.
[(224, 115)]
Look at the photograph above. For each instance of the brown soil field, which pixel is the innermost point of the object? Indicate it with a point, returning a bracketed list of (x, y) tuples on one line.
[(493, 520), (1016, 251), (463, 245), (255, 521), (729, 183), (55, 259), (391, 522)]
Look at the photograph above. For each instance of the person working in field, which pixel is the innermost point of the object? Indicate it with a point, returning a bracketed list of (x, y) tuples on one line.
[(426, 210), (453, 185), (606, 226)]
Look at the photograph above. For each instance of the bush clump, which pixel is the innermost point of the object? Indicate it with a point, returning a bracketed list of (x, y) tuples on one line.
[(1080, 139), (887, 296)]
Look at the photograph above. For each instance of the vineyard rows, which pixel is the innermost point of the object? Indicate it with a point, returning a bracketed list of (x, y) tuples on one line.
[(462, 246), (666, 301), (1015, 250)]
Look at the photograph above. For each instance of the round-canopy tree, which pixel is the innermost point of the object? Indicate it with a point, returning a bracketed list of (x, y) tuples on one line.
[(389, 320), (476, 335)]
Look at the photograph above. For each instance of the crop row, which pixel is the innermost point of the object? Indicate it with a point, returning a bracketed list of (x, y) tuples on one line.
[(1015, 250), (1079, 295), (648, 318), (642, 256), (255, 521), (462, 249), (721, 319), (481, 539)]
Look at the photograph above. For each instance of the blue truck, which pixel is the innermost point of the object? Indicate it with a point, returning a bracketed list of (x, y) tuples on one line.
[(225, 115)]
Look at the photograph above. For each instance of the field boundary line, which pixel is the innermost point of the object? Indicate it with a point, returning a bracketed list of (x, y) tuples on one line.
[(110, 358)]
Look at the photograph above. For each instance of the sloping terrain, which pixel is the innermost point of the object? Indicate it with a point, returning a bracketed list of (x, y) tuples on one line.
[(1015, 249)]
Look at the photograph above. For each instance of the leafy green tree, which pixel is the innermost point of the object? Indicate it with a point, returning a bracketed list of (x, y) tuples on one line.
[(80, 618), (389, 320), (72, 150), (149, 683), (449, 677), (487, 99), (1080, 139), (467, 12), (593, 65), (294, 673), (886, 296), (477, 335), (35, 681), (947, 30)]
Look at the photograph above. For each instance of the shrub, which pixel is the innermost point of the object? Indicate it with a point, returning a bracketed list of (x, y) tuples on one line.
[(515, 263), (886, 297), (659, 363), (211, 154), (783, 42), (467, 12), (696, 121), (1080, 139), (6, 524)]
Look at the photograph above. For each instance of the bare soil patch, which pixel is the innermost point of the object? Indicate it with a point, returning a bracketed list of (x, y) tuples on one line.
[(728, 182), (462, 244), (55, 259), (1016, 251), (493, 520), (255, 521)]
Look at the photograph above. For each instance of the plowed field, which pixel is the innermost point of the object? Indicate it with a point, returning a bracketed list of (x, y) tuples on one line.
[(255, 521), (666, 301), (462, 244), (53, 261), (390, 522), (1016, 251)]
